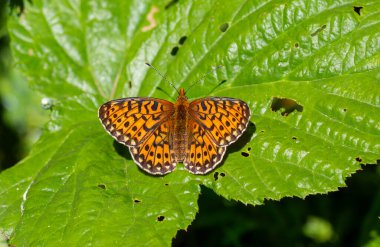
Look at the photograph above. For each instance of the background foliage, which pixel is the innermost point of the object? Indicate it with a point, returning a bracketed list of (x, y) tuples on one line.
[(308, 69)]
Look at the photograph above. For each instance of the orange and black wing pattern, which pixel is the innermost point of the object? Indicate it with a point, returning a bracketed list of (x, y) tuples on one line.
[(143, 125), (214, 124)]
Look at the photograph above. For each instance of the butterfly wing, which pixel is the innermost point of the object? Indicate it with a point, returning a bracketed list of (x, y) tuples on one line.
[(143, 125), (223, 119), (202, 154), (213, 124), (154, 155)]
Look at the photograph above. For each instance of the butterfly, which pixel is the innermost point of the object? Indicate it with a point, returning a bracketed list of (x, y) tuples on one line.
[(161, 134)]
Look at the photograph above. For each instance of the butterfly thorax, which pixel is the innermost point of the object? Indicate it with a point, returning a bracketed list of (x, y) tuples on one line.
[(180, 137)]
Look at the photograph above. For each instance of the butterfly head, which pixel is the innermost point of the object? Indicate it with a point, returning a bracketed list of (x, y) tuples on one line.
[(181, 95)]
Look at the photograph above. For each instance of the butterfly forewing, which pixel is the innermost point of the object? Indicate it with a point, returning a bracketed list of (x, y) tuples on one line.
[(143, 125), (132, 120)]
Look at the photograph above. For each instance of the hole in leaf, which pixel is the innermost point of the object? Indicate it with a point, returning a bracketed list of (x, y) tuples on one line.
[(245, 154), (182, 40), (174, 51), (296, 45), (357, 9), (136, 201), (358, 159), (344, 109), (216, 175), (223, 27), (171, 3), (288, 105), (160, 218), (102, 186), (166, 184), (294, 138), (318, 30), (249, 148), (222, 174)]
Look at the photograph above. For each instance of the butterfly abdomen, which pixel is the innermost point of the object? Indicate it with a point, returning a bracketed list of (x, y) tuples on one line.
[(180, 139)]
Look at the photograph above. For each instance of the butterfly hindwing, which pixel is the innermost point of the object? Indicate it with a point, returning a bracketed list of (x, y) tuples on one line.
[(202, 154), (155, 155)]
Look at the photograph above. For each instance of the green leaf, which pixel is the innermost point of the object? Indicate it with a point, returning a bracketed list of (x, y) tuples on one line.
[(318, 60)]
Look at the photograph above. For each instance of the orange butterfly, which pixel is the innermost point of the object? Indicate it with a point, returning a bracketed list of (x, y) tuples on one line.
[(160, 133)]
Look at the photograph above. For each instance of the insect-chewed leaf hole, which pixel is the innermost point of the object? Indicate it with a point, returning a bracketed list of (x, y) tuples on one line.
[(294, 138), (171, 3), (222, 174), (136, 201), (182, 40), (216, 175), (174, 51), (102, 186), (296, 45), (223, 27), (288, 105), (166, 184), (245, 154), (160, 218), (358, 159), (357, 9)]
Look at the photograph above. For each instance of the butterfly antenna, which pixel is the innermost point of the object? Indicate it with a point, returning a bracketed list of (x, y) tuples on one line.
[(163, 77), (194, 83)]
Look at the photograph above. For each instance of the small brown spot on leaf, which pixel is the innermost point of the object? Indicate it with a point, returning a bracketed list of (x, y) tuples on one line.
[(288, 105), (151, 20)]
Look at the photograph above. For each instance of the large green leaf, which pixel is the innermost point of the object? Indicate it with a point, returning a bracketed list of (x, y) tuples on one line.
[(78, 187)]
